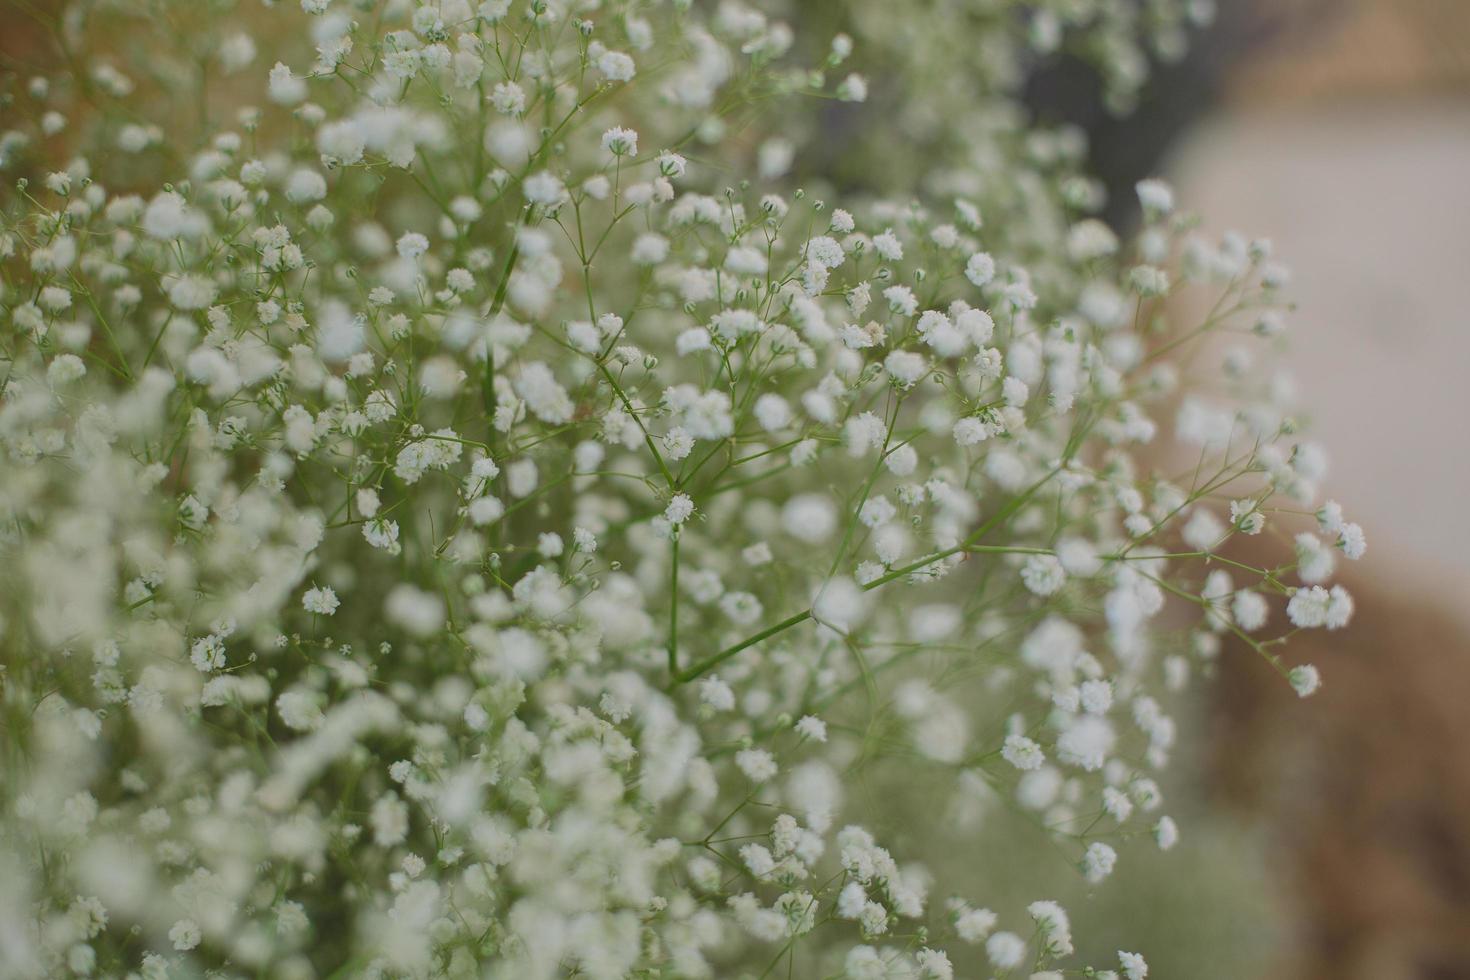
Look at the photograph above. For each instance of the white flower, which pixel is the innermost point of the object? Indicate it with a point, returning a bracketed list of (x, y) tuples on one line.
[(1134, 967), (812, 728), (432, 325), (1006, 950), (1249, 610), (901, 300), (305, 185), (888, 246), (854, 88), (1098, 862), (508, 98), (905, 367), (716, 693), (757, 860), (382, 534), (285, 88), (184, 935), (1148, 280), (55, 299), (980, 268), (973, 925), (934, 965), (299, 710), (650, 249), (680, 508), (1078, 557), (1155, 196), (1307, 607), (1054, 925), (743, 260), (418, 612), (1096, 696), (1022, 752), (970, 431), (1043, 574), (411, 245), (546, 398), (1246, 516), (809, 517), (191, 292), (616, 66), (342, 141), (320, 601), (1351, 540), (543, 188), (64, 369), (758, 765), (1305, 680), (620, 142)]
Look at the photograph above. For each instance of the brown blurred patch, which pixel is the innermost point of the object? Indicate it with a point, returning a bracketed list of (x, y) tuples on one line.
[(1336, 50), (27, 32), (1366, 787)]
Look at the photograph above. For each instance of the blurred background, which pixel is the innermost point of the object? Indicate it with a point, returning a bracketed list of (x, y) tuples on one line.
[(1341, 130), (1328, 838)]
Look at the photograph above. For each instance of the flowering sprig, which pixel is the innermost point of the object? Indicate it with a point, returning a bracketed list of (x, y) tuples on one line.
[(459, 529)]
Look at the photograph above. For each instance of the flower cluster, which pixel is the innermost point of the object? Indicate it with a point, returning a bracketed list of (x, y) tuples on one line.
[(456, 526)]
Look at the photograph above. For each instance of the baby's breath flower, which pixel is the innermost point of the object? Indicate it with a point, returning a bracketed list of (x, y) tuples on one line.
[(1098, 862), (980, 269), (813, 728), (1006, 950), (757, 764), (620, 142), (191, 292), (65, 369), (1043, 574), (1156, 196), (508, 98), (411, 245), (1022, 752), (184, 935), (1166, 833), (679, 509), (1305, 680), (616, 66), (408, 313), (854, 88), (286, 88), (1134, 967), (321, 601)]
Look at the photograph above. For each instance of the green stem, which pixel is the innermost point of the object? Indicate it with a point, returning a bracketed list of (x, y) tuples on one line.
[(1004, 514), (674, 604)]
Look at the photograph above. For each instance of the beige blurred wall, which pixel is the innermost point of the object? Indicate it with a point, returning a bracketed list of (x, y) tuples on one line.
[(1369, 205), (1349, 146), (1350, 149)]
